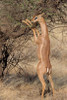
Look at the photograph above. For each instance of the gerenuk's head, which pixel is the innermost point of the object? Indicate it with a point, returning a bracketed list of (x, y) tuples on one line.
[(37, 18)]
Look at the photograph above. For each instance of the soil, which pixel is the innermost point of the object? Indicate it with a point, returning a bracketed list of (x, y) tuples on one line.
[(17, 88)]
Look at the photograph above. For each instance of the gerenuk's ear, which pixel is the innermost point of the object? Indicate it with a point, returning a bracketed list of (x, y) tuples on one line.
[(42, 14)]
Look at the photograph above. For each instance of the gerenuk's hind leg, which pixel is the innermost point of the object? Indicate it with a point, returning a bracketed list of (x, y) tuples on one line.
[(52, 84), (40, 75)]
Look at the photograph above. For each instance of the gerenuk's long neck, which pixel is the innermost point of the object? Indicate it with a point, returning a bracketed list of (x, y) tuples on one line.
[(43, 27)]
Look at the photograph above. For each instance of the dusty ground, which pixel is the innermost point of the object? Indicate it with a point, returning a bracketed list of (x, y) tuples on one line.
[(16, 88)]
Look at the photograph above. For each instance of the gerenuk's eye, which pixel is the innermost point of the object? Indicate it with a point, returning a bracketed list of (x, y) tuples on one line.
[(35, 18)]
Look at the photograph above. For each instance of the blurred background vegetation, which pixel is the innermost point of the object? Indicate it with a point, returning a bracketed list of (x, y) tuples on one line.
[(12, 12)]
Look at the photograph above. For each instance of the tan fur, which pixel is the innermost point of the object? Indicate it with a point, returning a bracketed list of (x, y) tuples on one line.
[(43, 43)]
